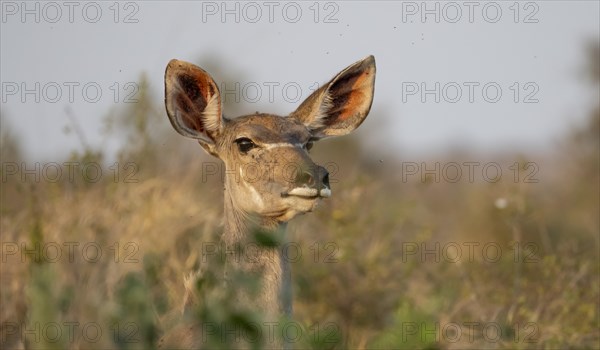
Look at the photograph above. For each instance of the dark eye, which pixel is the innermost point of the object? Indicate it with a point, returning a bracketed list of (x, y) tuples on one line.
[(245, 144), (308, 145)]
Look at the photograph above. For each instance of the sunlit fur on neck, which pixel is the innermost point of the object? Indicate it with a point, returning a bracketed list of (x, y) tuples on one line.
[(239, 226)]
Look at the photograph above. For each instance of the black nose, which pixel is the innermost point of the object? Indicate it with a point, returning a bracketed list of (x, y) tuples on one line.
[(325, 179), (307, 177)]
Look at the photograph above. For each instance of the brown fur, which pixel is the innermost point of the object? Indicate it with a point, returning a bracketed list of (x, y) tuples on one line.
[(271, 182)]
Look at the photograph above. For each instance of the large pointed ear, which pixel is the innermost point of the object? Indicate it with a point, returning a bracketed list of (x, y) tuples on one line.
[(342, 104), (193, 103)]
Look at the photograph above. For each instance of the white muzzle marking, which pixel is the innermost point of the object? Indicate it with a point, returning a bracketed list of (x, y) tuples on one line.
[(310, 192), (304, 192)]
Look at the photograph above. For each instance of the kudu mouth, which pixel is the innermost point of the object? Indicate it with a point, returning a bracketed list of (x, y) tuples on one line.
[(308, 192)]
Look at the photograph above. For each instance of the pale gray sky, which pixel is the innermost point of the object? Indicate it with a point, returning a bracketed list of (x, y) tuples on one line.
[(526, 51)]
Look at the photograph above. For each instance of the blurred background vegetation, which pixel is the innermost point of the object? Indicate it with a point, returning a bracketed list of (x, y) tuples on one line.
[(356, 285)]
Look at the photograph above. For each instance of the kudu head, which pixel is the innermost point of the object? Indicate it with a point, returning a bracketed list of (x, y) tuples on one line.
[(268, 171)]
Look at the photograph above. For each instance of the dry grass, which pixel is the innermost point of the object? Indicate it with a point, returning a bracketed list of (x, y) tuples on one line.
[(356, 285)]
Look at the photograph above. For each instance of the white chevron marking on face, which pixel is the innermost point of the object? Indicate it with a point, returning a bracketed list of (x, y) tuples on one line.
[(282, 144)]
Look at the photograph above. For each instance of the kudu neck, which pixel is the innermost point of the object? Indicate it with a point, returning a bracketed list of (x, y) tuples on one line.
[(268, 261)]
